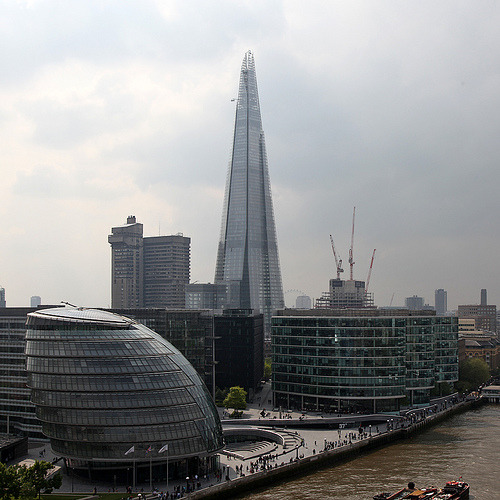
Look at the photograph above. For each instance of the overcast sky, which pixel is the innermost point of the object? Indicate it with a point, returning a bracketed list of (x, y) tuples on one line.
[(113, 108)]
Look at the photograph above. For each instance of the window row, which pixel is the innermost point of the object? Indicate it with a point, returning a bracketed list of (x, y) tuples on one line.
[(138, 416), (96, 349), (109, 383), (109, 400), (121, 434), (96, 366)]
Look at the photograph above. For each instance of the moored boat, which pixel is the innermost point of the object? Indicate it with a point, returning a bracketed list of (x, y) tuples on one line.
[(453, 490)]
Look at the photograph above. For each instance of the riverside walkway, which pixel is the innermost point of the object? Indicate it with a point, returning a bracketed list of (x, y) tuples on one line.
[(300, 442)]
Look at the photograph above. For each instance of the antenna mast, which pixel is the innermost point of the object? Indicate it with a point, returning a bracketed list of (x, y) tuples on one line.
[(351, 261)]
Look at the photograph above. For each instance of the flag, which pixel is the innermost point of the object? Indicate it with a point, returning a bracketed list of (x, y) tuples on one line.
[(163, 448), (148, 450), (131, 450)]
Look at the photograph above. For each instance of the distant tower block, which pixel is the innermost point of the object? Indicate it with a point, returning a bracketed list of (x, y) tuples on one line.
[(35, 301), (414, 303), (441, 301), (484, 297), (303, 302), (2, 297), (247, 258)]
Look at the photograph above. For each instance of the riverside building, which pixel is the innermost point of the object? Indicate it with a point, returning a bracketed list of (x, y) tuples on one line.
[(112, 395), (361, 359)]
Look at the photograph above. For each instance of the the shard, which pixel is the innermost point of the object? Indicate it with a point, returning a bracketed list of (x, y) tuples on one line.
[(247, 259)]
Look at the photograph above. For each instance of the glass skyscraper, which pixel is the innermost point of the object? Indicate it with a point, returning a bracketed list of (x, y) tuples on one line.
[(247, 259)]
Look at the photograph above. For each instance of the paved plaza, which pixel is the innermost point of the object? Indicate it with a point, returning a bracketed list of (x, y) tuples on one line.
[(248, 457)]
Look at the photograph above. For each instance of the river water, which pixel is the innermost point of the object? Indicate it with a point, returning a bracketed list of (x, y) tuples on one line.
[(466, 445)]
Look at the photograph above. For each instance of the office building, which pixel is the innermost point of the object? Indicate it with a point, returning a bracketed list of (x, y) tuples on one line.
[(112, 394), (484, 315), (247, 258), (441, 301), (166, 270), (239, 349), (35, 301), (3, 303), (414, 303), (148, 271), (206, 296), (361, 359), (17, 412)]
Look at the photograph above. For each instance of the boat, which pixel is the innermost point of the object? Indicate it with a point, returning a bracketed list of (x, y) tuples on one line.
[(453, 490)]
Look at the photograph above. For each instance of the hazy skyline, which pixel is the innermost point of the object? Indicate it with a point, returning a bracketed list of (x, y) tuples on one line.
[(110, 109)]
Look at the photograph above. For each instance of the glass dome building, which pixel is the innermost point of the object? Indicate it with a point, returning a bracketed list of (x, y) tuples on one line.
[(110, 391)]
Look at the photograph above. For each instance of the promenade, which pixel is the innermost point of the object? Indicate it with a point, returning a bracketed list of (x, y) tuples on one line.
[(302, 441)]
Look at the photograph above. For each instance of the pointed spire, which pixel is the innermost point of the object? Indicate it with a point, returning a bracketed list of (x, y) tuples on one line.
[(248, 252)]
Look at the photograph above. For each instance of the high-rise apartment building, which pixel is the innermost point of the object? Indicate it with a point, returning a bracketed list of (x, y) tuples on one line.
[(2, 298), (441, 301), (148, 271), (247, 259)]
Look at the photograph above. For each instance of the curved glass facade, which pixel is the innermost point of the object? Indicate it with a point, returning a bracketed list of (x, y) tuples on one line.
[(358, 361), (338, 363), (103, 384)]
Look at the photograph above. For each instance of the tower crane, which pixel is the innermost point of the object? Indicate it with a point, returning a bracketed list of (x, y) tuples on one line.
[(338, 261), (351, 260), (370, 272)]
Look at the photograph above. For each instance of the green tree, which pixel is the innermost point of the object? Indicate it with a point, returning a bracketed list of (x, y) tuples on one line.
[(237, 398), (267, 368), (472, 372), (36, 479), (10, 485), (220, 395)]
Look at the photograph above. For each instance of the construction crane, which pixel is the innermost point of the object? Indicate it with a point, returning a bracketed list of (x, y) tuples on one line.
[(338, 262), (370, 272), (351, 260)]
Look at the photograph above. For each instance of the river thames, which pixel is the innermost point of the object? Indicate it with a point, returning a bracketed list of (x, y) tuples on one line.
[(466, 445)]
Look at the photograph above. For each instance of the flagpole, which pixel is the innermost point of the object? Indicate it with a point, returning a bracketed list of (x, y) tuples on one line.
[(133, 473), (167, 467), (151, 472)]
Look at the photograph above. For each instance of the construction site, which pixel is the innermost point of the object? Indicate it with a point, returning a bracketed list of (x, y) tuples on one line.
[(349, 293)]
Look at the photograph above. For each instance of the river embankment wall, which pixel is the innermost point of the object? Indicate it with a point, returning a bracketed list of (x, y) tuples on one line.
[(327, 458)]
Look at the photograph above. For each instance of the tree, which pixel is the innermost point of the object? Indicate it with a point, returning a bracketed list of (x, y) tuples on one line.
[(220, 395), (36, 479), (267, 369), (472, 372), (10, 486), (236, 398)]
